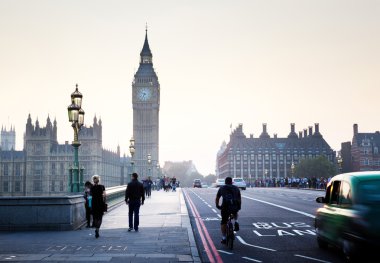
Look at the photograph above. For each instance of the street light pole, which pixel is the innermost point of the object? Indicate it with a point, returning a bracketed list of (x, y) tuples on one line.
[(149, 162), (158, 170), (265, 176), (340, 162), (292, 168), (76, 117), (132, 152)]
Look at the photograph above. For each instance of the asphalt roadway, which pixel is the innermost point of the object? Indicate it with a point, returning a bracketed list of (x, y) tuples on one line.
[(276, 225)]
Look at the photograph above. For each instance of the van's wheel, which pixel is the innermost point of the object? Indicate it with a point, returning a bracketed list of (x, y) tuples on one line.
[(322, 244), (349, 251)]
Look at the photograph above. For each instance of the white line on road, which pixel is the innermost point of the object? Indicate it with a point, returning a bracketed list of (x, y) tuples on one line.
[(219, 216), (214, 211), (225, 252), (280, 206), (315, 259), (209, 206), (245, 243), (251, 259)]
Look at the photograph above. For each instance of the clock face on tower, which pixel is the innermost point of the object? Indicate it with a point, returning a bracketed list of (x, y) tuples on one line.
[(144, 94)]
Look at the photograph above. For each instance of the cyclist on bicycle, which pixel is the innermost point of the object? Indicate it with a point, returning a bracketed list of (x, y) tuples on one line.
[(231, 204)]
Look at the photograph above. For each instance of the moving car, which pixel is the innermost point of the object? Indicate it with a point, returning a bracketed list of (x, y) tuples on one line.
[(349, 218), (239, 182), (219, 182), (197, 183)]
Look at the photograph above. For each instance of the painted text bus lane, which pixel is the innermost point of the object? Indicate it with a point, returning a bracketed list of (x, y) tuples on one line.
[(282, 229)]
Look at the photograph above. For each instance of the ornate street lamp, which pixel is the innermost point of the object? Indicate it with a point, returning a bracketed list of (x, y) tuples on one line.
[(149, 163), (76, 117), (132, 152), (265, 174), (158, 171), (340, 162), (292, 168)]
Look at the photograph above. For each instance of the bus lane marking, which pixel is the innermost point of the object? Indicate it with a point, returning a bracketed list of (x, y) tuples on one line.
[(315, 259), (251, 259), (225, 252), (271, 229), (279, 206), (245, 243)]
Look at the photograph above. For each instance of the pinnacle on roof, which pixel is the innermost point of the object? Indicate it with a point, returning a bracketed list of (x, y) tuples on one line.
[(146, 50)]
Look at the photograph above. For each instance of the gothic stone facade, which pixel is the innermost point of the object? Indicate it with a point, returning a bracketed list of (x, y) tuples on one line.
[(42, 168), (256, 158), (146, 106)]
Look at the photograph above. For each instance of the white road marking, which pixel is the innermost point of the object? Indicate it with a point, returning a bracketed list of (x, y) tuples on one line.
[(214, 211), (209, 206), (280, 206), (315, 259), (245, 243), (225, 252), (251, 259), (219, 216)]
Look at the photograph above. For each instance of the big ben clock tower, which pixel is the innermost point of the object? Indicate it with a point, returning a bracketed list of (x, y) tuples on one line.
[(146, 107)]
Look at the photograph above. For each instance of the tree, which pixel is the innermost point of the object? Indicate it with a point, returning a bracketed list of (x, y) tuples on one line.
[(317, 167), (210, 179)]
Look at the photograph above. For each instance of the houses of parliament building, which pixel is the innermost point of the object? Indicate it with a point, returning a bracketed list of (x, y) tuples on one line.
[(42, 167)]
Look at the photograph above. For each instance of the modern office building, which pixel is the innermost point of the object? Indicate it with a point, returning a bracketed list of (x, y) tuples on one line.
[(146, 107), (268, 157), (42, 168)]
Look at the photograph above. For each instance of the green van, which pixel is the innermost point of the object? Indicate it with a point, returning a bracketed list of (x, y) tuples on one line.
[(350, 216)]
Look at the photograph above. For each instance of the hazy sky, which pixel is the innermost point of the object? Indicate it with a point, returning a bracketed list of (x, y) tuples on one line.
[(218, 62)]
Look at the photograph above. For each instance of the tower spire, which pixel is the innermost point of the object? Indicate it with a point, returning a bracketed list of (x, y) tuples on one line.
[(146, 54)]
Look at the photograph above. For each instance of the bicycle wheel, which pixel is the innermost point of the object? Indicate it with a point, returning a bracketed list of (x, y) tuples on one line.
[(230, 236)]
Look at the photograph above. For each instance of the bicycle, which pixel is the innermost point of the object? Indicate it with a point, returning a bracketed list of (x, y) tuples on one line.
[(230, 235)]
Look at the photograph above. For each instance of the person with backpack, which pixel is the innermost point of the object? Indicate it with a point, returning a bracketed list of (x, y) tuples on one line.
[(231, 204)]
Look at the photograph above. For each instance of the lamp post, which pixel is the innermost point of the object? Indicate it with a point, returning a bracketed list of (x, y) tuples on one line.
[(158, 170), (149, 162), (132, 152), (265, 176), (76, 117), (292, 168), (340, 162)]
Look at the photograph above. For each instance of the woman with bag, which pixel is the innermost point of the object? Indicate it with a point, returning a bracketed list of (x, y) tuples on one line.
[(98, 193)]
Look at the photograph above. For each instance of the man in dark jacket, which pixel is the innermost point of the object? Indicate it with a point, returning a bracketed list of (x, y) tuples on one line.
[(231, 205), (134, 197)]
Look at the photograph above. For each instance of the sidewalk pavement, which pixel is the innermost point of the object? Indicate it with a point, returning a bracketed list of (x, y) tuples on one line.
[(165, 235)]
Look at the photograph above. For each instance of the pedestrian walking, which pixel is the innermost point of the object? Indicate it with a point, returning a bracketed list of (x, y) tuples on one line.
[(98, 193), (88, 204), (134, 198), (149, 187), (174, 184)]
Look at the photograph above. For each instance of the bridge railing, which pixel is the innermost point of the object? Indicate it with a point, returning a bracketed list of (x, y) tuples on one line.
[(115, 195), (50, 212)]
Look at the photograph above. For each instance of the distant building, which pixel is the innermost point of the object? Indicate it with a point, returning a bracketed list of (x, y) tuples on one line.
[(365, 154), (266, 157), (8, 139), (345, 153), (186, 168), (42, 168)]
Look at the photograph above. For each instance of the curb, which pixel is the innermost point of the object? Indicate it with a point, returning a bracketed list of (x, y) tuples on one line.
[(186, 223)]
